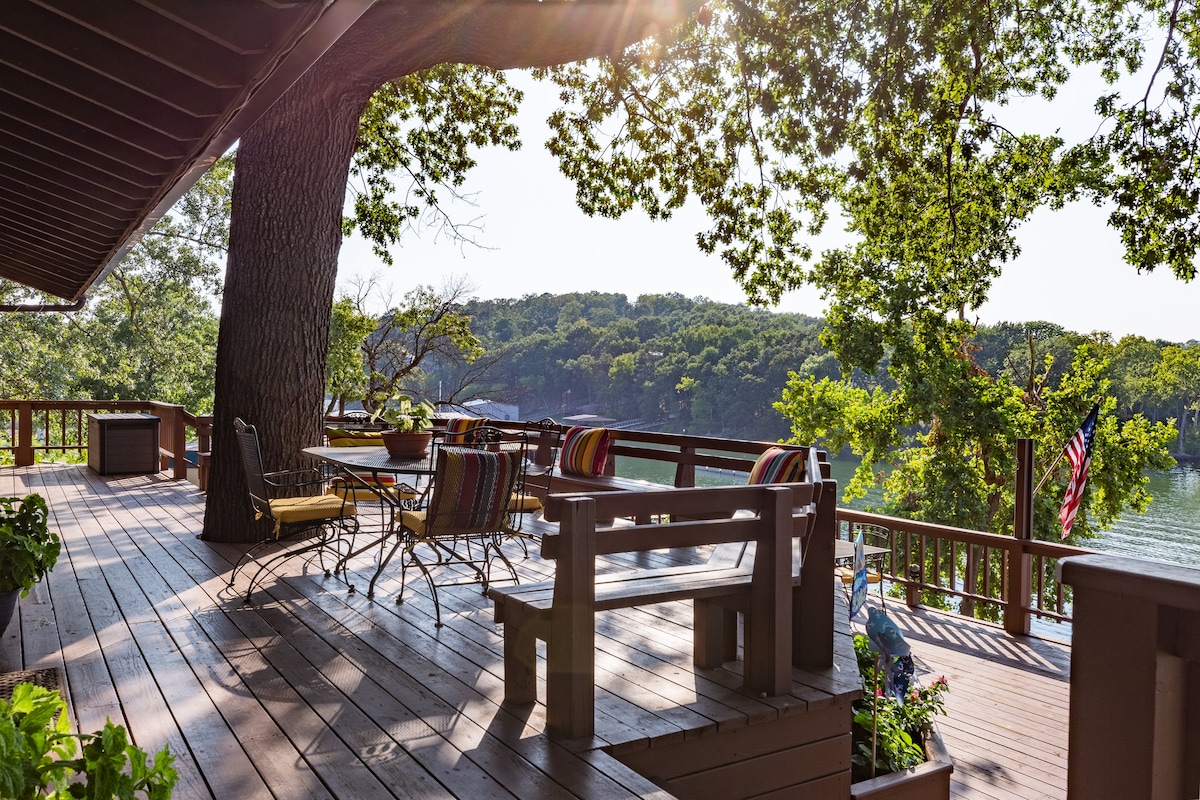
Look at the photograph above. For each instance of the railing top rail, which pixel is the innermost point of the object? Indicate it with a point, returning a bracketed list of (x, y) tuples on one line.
[(1037, 547), (12, 405), (1164, 583), (631, 440)]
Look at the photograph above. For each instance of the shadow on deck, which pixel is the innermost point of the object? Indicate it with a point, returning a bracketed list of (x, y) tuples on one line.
[(314, 692)]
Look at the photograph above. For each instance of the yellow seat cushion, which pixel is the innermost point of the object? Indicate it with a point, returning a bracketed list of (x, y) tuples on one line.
[(339, 437), (524, 504), (357, 491), (847, 575), (413, 521), (291, 510)]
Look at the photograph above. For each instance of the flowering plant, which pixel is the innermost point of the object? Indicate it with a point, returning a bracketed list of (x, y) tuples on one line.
[(887, 729)]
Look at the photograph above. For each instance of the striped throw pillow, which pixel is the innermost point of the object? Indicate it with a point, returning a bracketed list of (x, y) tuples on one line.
[(777, 465), (584, 451), (457, 428)]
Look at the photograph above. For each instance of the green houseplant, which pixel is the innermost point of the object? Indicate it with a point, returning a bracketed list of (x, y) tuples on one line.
[(28, 549), (37, 755), (409, 422)]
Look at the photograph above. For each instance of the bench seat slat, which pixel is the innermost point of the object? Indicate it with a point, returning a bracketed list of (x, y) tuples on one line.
[(627, 589)]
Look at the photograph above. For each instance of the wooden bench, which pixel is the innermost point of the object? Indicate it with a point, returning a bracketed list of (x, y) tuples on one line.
[(562, 612)]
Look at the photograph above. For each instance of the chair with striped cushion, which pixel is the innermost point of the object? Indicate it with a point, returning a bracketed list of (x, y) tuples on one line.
[(463, 519), (316, 523), (522, 501)]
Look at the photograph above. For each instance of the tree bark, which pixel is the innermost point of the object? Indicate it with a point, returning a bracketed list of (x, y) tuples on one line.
[(289, 190)]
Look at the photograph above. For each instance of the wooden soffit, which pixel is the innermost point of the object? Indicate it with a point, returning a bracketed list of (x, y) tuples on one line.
[(111, 109)]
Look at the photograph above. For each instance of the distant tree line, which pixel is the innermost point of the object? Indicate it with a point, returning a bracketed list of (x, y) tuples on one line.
[(716, 368), (665, 360)]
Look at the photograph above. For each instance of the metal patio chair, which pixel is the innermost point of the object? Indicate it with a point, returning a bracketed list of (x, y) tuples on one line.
[(296, 523), (464, 517)]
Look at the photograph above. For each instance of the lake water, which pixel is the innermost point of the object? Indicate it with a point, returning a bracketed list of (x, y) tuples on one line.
[(1169, 530)]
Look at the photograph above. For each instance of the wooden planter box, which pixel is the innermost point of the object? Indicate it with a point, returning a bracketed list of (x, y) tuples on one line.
[(928, 781)]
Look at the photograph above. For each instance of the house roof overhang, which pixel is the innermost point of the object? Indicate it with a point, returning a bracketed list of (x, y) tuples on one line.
[(110, 111)]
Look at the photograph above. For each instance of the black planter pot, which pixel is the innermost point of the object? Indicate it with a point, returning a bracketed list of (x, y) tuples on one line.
[(8, 604)]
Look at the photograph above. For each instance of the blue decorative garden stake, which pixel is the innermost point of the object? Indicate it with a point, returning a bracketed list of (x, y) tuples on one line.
[(858, 597), (894, 661)]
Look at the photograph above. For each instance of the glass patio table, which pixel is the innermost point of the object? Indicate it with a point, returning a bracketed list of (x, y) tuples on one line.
[(364, 469)]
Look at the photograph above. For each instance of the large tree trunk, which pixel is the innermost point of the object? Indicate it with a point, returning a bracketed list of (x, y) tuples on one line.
[(289, 188)]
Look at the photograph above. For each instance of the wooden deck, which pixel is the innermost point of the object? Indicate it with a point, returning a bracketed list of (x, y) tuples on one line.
[(314, 692)]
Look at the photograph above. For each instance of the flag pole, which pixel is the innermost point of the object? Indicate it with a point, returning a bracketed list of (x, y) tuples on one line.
[(1050, 469)]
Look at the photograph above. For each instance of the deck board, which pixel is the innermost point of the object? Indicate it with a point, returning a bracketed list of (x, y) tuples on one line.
[(314, 692)]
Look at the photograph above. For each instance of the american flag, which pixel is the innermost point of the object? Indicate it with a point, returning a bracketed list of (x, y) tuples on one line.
[(1079, 453)]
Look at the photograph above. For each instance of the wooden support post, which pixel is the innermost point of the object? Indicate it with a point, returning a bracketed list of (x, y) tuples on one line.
[(173, 436), (24, 454), (570, 653), (768, 638), (1020, 563), (520, 656), (812, 601), (1132, 650), (714, 634), (685, 468)]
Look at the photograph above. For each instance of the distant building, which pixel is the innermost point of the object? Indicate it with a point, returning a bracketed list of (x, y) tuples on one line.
[(587, 420), (506, 412)]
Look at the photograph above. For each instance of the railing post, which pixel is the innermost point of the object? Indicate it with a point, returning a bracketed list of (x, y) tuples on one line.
[(177, 434), (1020, 563), (204, 450), (24, 454), (570, 653), (685, 468)]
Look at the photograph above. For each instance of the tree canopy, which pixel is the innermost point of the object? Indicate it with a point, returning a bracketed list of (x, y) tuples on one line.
[(899, 117), (774, 114)]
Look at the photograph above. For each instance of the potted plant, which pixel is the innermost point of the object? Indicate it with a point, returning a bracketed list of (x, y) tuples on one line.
[(409, 421), (40, 755), (28, 550), (897, 751)]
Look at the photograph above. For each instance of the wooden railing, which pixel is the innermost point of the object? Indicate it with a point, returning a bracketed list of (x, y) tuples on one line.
[(1012, 579), (970, 571), (40, 430), (1135, 679), (682, 452), (1005, 578)]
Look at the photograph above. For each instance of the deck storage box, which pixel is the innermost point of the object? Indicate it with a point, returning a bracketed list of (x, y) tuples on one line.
[(123, 444)]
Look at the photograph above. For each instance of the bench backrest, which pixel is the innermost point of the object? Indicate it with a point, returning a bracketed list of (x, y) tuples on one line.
[(771, 525)]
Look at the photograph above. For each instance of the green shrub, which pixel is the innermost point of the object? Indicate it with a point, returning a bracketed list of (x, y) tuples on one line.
[(37, 755)]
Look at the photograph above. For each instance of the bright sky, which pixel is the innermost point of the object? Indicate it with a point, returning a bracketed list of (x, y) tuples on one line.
[(1070, 271)]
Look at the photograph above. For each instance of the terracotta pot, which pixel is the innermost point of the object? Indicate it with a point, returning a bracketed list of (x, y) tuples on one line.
[(8, 604), (406, 445), (928, 781)]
